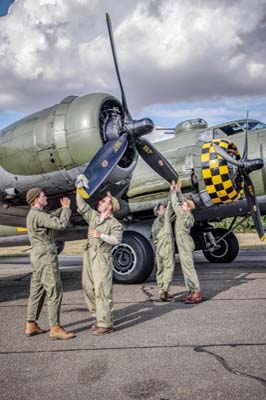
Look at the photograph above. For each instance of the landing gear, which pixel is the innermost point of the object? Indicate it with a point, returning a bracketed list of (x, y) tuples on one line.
[(227, 248), (133, 259)]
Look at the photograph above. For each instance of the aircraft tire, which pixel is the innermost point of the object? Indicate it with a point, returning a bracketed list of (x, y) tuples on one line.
[(228, 250), (133, 259)]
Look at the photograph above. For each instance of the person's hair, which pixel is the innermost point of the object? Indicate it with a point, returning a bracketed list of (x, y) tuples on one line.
[(190, 204), (156, 208), (114, 202)]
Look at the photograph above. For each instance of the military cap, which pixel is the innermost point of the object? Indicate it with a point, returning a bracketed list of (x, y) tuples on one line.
[(32, 194)]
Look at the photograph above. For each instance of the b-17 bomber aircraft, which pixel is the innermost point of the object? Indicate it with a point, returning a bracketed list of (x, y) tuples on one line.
[(96, 136)]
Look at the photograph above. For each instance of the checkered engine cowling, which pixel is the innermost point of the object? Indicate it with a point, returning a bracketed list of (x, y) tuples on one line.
[(216, 173)]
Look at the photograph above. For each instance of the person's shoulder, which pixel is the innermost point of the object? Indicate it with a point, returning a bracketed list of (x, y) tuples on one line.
[(115, 220), (34, 210)]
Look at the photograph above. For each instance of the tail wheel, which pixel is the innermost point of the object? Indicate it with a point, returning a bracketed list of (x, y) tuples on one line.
[(133, 259), (228, 247)]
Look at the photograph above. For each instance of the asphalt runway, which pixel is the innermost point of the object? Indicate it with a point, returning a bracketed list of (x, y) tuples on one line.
[(161, 351)]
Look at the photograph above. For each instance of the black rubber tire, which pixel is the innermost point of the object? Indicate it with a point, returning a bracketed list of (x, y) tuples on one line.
[(60, 245), (228, 250), (133, 259)]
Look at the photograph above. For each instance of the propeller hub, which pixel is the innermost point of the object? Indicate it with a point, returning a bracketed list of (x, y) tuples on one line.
[(253, 165), (141, 127)]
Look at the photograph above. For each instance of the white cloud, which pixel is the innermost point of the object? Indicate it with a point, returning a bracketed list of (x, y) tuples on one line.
[(169, 51)]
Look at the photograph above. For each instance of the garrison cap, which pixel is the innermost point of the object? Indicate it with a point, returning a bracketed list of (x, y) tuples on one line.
[(32, 194)]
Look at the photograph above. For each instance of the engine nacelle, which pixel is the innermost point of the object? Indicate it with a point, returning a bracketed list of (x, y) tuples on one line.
[(64, 136), (218, 175)]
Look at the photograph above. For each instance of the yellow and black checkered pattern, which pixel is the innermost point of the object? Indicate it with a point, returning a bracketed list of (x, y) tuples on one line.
[(215, 173)]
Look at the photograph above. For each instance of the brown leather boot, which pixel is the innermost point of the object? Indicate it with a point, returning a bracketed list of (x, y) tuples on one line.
[(195, 298), (168, 296), (57, 332), (163, 296), (33, 329), (99, 330), (186, 296)]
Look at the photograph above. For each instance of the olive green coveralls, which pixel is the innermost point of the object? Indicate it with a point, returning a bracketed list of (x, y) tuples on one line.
[(97, 274), (162, 236), (46, 277), (183, 224)]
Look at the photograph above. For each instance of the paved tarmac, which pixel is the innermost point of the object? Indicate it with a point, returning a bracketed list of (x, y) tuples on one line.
[(161, 351)]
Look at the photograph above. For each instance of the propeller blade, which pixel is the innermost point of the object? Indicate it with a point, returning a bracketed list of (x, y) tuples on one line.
[(226, 156), (245, 149), (156, 160), (112, 42), (103, 163), (253, 206)]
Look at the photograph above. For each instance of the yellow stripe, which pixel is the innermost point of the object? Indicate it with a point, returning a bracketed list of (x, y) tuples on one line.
[(82, 192), (21, 229)]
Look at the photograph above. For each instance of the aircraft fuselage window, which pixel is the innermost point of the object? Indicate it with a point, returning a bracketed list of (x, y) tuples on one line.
[(240, 126)]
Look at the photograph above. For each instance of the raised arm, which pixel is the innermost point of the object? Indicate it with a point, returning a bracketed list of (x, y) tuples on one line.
[(83, 208), (56, 220), (176, 197)]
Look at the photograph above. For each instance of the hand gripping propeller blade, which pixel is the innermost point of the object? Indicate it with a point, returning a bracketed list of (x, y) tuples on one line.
[(253, 206), (156, 160), (103, 163)]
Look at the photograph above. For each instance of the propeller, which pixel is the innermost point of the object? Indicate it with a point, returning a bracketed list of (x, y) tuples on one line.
[(245, 167), (105, 160)]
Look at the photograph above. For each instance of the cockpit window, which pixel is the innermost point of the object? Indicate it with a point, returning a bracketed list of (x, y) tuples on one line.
[(240, 126)]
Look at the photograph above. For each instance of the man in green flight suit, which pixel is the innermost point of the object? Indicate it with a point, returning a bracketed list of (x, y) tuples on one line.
[(104, 232), (162, 236), (46, 279), (183, 224)]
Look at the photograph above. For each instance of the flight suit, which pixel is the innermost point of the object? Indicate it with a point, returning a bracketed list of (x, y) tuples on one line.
[(183, 224), (46, 277), (97, 274), (162, 236)]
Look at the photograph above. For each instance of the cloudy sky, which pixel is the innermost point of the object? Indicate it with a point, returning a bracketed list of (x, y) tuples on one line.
[(179, 59)]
